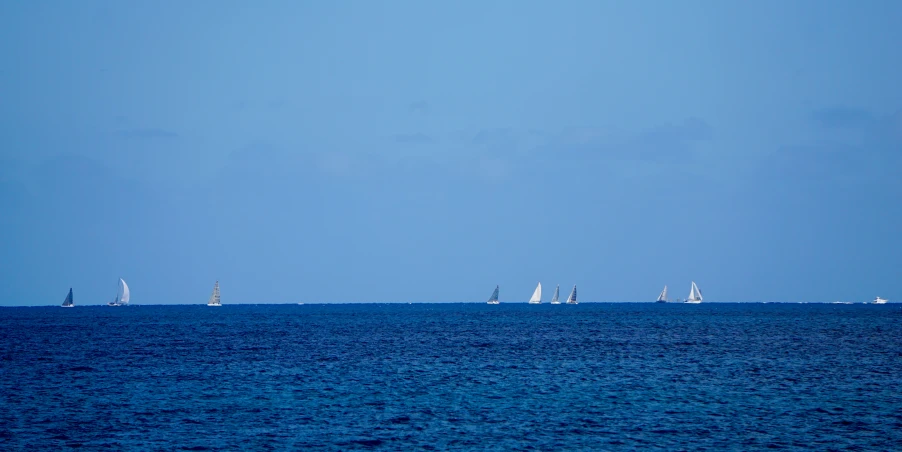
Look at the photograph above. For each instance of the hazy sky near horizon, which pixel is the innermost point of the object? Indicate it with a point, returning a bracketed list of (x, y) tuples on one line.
[(337, 151)]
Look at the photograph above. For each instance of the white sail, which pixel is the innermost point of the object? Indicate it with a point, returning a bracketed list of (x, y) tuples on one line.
[(572, 298), (663, 295), (69, 301), (125, 294), (695, 295), (537, 295), (494, 298), (557, 293), (214, 297)]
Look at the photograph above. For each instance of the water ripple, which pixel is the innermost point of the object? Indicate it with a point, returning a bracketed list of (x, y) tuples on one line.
[(452, 377)]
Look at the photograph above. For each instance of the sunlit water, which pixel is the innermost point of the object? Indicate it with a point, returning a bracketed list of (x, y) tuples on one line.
[(453, 376)]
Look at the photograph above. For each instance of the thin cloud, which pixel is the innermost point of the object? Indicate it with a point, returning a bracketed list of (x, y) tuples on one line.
[(499, 136), (893, 126), (584, 136), (246, 105), (667, 142), (419, 107), (691, 129), (816, 162), (842, 117), (412, 138), (673, 142), (276, 104), (147, 134)]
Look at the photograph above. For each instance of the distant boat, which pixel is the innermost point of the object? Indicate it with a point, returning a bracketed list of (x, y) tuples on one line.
[(662, 298), (557, 293), (695, 295), (537, 295), (122, 294), (214, 298), (877, 300), (69, 302), (572, 298), (494, 298)]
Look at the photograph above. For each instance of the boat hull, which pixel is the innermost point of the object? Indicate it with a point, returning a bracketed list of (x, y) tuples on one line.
[(660, 301), (692, 302), (493, 302)]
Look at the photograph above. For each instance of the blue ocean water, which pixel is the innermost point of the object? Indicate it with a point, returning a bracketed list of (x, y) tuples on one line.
[(453, 376)]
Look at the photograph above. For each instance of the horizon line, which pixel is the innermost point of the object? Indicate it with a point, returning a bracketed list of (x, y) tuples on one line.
[(442, 302)]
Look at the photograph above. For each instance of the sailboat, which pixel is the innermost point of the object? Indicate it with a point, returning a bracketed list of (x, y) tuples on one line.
[(663, 297), (572, 298), (69, 301), (494, 298), (695, 295), (557, 293), (121, 299), (214, 298), (877, 300), (537, 295)]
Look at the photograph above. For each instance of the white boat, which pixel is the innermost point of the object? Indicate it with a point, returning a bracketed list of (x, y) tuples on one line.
[(557, 293), (695, 295), (879, 300), (537, 295), (214, 298), (572, 298), (122, 294), (69, 302), (494, 298), (662, 298)]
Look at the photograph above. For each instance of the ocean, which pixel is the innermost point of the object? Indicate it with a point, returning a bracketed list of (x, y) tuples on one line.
[(593, 376)]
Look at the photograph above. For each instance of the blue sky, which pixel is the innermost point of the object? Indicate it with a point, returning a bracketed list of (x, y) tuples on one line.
[(426, 151)]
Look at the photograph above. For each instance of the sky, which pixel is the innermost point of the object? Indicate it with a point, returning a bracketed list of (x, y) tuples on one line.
[(360, 151)]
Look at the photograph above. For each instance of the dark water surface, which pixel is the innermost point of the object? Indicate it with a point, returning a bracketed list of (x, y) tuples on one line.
[(453, 376)]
